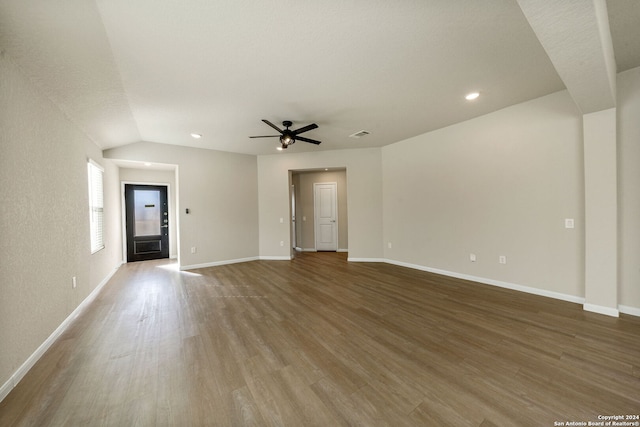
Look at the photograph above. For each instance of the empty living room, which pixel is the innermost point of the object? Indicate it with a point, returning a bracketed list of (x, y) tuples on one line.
[(413, 213)]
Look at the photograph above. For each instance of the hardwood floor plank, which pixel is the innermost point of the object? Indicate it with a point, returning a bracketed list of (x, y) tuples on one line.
[(273, 401), (347, 410), (320, 341), (246, 413)]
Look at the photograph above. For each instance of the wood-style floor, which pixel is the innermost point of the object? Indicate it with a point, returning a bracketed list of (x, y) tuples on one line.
[(320, 341)]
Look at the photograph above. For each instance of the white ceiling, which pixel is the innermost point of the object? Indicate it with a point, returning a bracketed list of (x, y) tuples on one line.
[(131, 70)]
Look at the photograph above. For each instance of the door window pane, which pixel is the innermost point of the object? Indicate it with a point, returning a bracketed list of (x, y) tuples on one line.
[(147, 212)]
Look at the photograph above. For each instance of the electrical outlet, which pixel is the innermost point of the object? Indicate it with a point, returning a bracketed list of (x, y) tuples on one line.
[(569, 223), (502, 259), (281, 243), (389, 245), (472, 257), (74, 282), (194, 249)]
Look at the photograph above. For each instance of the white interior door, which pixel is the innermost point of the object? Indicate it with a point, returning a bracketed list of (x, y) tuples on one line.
[(326, 216)]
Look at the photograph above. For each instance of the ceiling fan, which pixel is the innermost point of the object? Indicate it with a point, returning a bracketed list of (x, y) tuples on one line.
[(287, 136)]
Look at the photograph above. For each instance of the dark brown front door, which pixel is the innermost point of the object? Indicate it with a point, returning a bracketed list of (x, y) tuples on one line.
[(147, 222)]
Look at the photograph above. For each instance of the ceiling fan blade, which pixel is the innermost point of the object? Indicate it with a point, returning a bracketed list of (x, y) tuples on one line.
[(265, 136), (305, 129), (302, 138), (272, 125)]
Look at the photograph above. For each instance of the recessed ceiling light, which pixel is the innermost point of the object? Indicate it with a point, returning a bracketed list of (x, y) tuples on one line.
[(471, 96), (359, 134), (196, 135), (147, 164)]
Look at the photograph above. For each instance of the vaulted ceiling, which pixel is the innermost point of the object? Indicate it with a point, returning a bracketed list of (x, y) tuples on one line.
[(132, 70)]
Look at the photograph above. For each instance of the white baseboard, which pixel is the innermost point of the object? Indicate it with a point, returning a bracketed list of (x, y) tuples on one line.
[(632, 311), (276, 258), (350, 259), (31, 360), (600, 309), (217, 263), (506, 285), (315, 250), (608, 311)]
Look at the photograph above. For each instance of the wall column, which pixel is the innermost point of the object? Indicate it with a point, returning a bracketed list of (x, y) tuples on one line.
[(601, 212)]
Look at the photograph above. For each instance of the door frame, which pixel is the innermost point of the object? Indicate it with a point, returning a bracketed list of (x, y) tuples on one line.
[(315, 214), (123, 213), (293, 210)]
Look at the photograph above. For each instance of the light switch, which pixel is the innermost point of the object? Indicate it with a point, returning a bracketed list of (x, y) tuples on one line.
[(569, 223)]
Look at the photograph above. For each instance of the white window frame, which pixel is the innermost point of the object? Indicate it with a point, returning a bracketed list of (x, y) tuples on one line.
[(95, 174)]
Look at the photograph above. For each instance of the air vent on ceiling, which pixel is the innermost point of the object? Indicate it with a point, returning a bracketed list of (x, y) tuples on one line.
[(359, 134)]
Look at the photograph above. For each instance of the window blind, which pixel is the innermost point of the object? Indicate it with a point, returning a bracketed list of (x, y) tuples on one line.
[(96, 206)]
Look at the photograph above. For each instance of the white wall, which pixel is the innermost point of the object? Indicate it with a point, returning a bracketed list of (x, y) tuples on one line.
[(364, 194), (219, 189), (500, 184), (629, 187), (141, 176), (44, 220)]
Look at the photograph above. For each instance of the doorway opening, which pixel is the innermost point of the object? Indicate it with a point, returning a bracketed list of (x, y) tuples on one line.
[(319, 214)]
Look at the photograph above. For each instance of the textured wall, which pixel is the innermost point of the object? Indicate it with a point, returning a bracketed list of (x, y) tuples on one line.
[(44, 227), (500, 184)]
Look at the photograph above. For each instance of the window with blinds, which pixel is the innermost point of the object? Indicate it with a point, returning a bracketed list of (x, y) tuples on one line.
[(96, 206)]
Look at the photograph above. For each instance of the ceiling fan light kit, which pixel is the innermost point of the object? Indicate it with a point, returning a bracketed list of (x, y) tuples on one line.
[(287, 136)]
